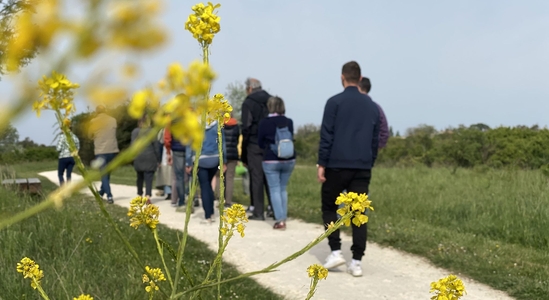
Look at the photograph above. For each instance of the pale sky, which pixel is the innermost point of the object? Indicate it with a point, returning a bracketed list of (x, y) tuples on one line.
[(441, 63)]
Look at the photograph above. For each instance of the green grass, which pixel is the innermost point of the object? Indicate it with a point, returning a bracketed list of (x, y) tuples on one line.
[(56, 240), (491, 225)]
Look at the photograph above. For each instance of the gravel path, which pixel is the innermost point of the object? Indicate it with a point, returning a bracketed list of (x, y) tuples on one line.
[(388, 273)]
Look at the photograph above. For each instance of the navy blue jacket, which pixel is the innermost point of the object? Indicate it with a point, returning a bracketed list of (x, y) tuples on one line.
[(349, 134), (266, 135)]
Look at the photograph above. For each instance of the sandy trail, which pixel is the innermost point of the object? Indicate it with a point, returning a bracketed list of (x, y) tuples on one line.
[(388, 273)]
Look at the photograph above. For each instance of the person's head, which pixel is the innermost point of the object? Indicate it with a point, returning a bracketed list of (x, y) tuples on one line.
[(252, 85), (350, 74), (100, 109), (275, 105), (365, 85)]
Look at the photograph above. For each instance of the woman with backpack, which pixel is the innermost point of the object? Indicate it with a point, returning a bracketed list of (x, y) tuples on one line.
[(275, 137)]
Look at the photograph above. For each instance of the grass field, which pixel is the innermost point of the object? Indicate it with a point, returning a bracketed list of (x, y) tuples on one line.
[(490, 225), (100, 266)]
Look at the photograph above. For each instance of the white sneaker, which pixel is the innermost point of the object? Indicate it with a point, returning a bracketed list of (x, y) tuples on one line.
[(354, 269), (334, 260)]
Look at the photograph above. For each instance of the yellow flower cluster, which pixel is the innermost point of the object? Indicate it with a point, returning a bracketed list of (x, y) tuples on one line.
[(141, 213), (152, 277), (31, 270), (317, 271), (83, 297), (447, 288), (355, 203), (132, 25), (234, 218), (203, 23), (142, 100), (56, 93), (219, 109)]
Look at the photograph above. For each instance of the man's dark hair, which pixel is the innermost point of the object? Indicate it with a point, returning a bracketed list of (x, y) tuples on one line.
[(365, 84), (351, 72)]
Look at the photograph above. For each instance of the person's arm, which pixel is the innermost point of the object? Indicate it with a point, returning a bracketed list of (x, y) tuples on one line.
[(261, 133), (247, 119), (383, 128), (76, 142), (327, 133), (375, 138)]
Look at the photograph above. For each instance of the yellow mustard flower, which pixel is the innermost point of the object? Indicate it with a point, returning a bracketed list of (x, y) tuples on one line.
[(152, 277), (447, 288), (107, 94), (30, 269), (89, 240), (234, 218), (132, 25), (355, 203), (83, 297), (141, 213), (56, 93), (317, 271), (142, 100), (203, 23), (218, 109)]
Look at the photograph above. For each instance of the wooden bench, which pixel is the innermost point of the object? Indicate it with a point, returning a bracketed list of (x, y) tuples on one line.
[(31, 185)]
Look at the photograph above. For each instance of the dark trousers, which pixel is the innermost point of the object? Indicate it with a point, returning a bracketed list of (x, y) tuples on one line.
[(258, 181), (337, 180), (205, 176), (147, 177), (266, 190), (65, 163), (106, 179)]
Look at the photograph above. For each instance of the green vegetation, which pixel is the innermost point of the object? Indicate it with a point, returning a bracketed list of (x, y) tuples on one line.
[(488, 224), (79, 252)]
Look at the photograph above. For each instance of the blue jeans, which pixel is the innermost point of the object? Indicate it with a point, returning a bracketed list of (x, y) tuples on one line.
[(178, 164), (65, 163), (106, 179), (278, 174), (205, 176)]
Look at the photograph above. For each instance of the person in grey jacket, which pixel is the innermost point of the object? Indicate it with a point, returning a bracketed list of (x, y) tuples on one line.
[(146, 163)]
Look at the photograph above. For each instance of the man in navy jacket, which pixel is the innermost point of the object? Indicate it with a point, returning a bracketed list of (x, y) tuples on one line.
[(349, 140)]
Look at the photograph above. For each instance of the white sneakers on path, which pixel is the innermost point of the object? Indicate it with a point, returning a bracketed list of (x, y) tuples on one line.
[(336, 259)]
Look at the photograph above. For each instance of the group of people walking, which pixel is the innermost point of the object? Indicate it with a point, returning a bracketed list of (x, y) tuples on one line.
[(353, 129)]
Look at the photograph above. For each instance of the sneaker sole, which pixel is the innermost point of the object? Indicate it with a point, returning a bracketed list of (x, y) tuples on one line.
[(334, 265), (354, 275)]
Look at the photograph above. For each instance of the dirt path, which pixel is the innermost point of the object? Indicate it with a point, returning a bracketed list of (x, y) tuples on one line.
[(388, 273)]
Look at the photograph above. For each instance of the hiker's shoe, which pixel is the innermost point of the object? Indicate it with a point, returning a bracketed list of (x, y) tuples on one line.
[(110, 200), (208, 221), (354, 268), (148, 199), (160, 193), (227, 205), (256, 218), (280, 226), (250, 209), (334, 260)]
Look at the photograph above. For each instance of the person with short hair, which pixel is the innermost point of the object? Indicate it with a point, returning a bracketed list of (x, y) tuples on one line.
[(349, 140), (66, 160), (103, 132), (147, 161), (277, 169), (365, 87)]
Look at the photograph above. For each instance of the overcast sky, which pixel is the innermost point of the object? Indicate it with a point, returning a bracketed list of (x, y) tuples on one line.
[(441, 63)]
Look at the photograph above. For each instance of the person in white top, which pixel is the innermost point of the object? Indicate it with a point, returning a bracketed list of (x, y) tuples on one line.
[(66, 160)]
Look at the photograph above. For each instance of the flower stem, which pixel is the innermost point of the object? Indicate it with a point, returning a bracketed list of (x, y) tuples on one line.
[(40, 290), (222, 247), (312, 289), (161, 253)]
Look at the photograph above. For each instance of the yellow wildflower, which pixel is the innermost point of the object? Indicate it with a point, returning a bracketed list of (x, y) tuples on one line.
[(234, 219), (447, 288), (355, 203), (218, 109), (317, 271), (141, 213), (56, 94), (142, 100), (89, 240), (83, 297), (152, 277), (31, 270), (107, 94), (203, 23)]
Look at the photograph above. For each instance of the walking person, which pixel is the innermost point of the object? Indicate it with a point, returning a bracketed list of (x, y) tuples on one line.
[(66, 160), (232, 135), (164, 174), (175, 152), (208, 164), (349, 139), (365, 86), (103, 133), (147, 161), (254, 109), (275, 137)]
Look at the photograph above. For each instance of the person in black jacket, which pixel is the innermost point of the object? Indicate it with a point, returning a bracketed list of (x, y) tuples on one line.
[(348, 149), (232, 134), (254, 109)]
